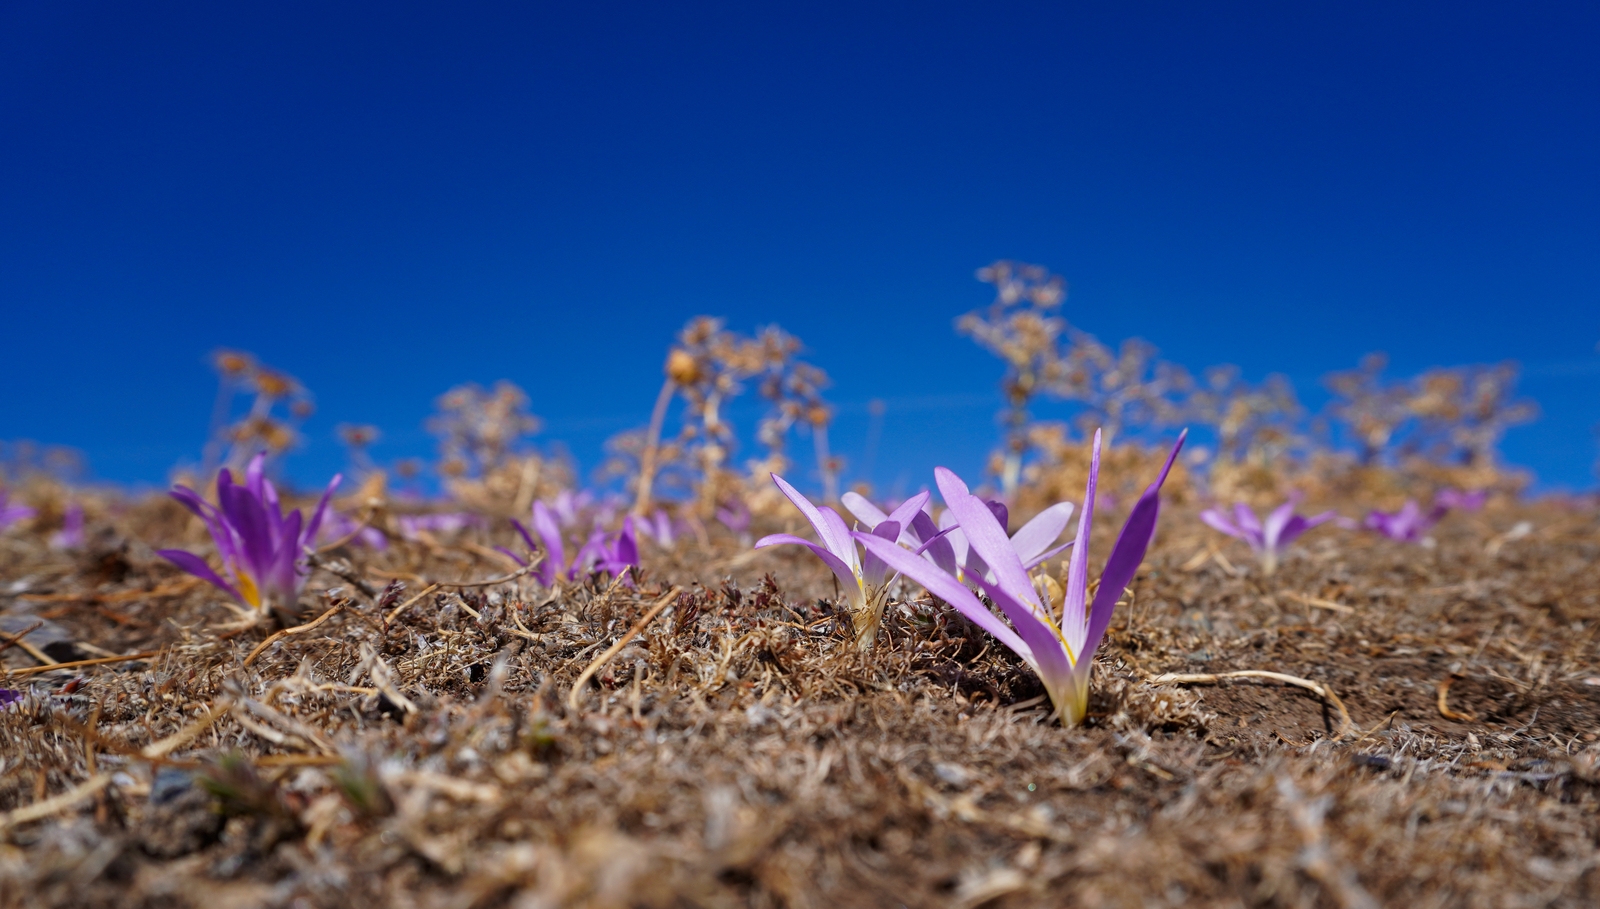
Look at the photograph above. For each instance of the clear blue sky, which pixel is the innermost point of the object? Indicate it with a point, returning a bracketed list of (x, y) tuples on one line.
[(389, 199)]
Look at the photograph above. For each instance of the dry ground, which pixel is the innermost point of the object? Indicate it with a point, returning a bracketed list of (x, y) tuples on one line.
[(739, 752)]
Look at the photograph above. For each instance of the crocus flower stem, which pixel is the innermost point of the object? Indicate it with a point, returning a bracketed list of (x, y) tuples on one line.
[(1056, 634)]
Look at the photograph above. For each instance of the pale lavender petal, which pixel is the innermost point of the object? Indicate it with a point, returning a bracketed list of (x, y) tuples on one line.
[(1247, 520), (1273, 528), (1038, 534), (986, 538), (874, 569), (867, 513), (946, 588), (840, 531), (321, 509), (197, 566), (1001, 513), (1126, 554), (1074, 620), (549, 531), (1216, 519), (839, 545), (842, 571), (1045, 556), (934, 543)]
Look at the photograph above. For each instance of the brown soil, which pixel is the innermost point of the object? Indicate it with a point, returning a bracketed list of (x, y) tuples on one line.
[(742, 753)]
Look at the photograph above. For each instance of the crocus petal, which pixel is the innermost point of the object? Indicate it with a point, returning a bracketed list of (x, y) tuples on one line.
[(1045, 556), (1272, 529), (1051, 659), (283, 580), (864, 511), (933, 542), (1126, 554), (842, 571), (1247, 521), (544, 523), (839, 530), (321, 510), (987, 537), (243, 513), (1045, 528), (873, 569), (946, 588), (1217, 520), (197, 566), (627, 549), (1074, 620), (838, 545)]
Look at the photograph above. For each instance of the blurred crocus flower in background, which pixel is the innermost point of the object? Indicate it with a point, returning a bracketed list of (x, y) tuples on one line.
[(1060, 650), (70, 536), (568, 504), (338, 526), (735, 516), (865, 580), (611, 553), (11, 514), (1270, 537), (260, 547), (1411, 524), (658, 527), (9, 696), (413, 526)]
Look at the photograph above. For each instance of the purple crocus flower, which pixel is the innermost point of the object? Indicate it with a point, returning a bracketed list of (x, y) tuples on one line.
[(864, 578), (945, 544), (735, 516), (1270, 537), (412, 526), (337, 526), (11, 514), (603, 552), (260, 547), (659, 528), (70, 536), (1058, 632), (1411, 524), (9, 696)]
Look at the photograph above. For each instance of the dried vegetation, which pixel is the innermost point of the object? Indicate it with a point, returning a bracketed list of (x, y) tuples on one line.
[(433, 751)]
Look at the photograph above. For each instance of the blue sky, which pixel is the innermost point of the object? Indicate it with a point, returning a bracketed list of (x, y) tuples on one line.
[(389, 199)]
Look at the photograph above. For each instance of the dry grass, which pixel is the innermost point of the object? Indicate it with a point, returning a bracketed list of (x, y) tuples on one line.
[(740, 752)]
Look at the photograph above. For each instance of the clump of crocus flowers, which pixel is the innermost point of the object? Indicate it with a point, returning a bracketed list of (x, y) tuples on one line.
[(1411, 524), (864, 580), (1054, 626), (1267, 537), (261, 548), (611, 553)]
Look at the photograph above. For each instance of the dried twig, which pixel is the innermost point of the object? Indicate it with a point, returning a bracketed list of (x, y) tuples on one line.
[(298, 629), (79, 663), (1211, 678), (599, 661), (43, 809), (1444, 706)]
